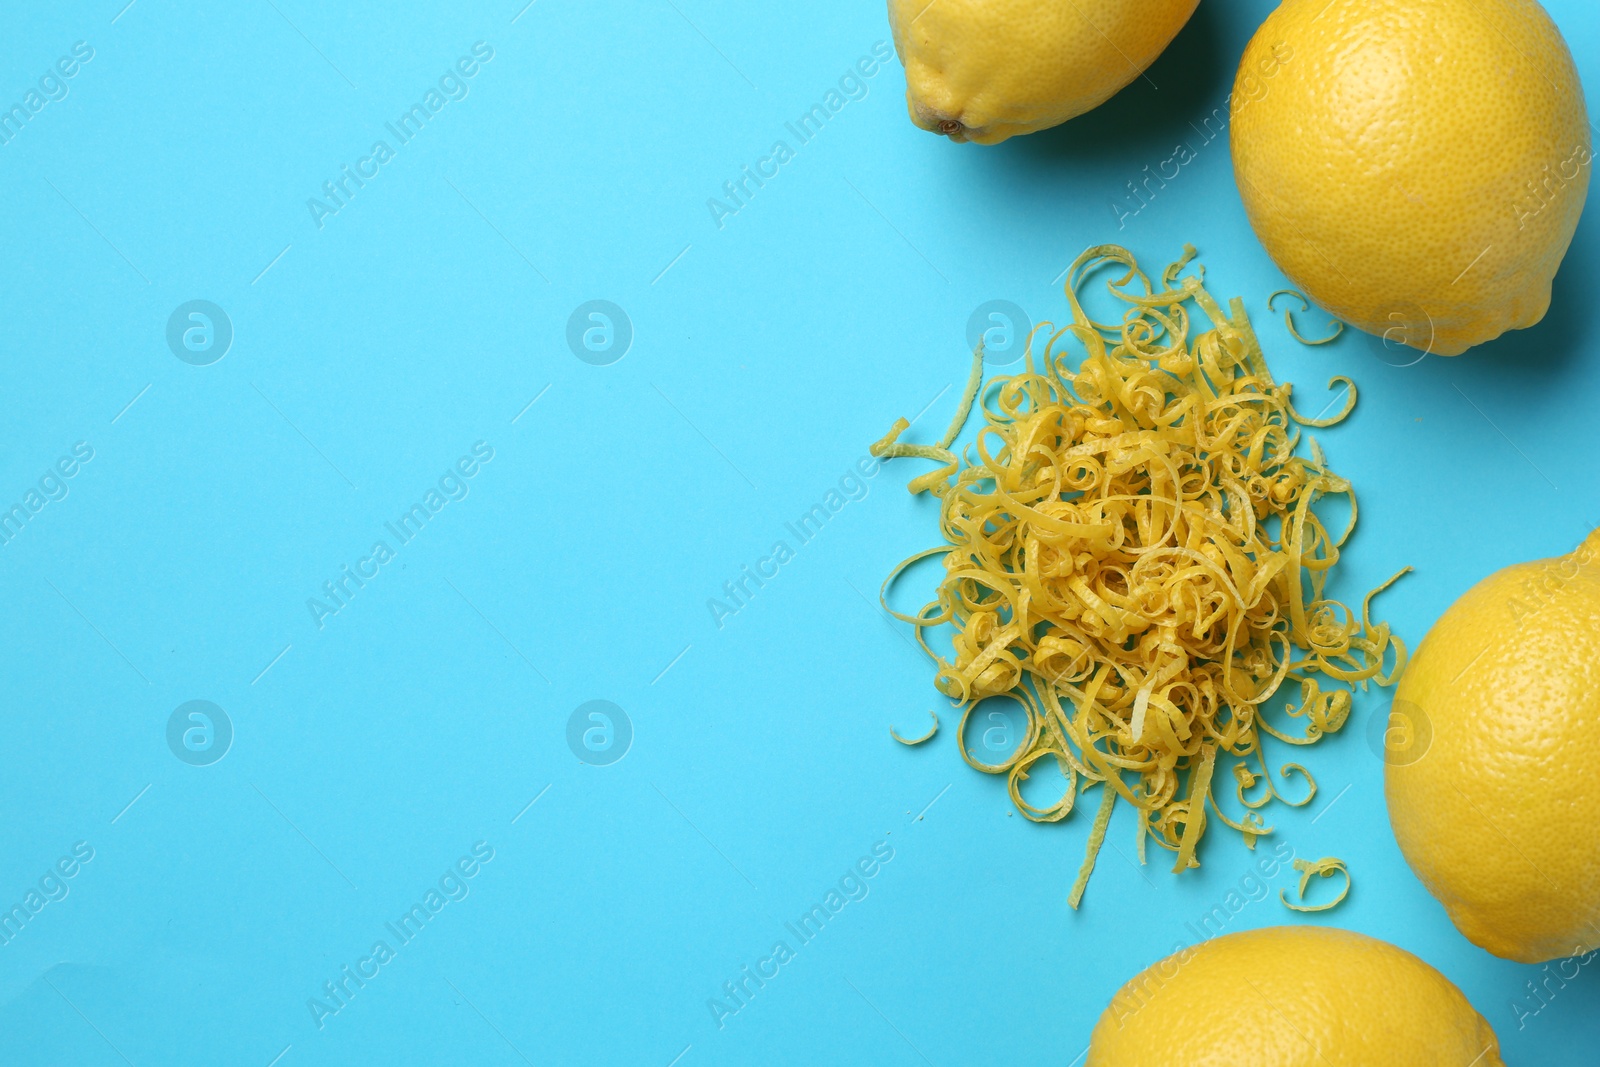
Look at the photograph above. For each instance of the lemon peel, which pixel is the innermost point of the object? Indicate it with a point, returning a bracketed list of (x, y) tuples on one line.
[(918, 740), (1130, 552), (1327, 867), (1305, 305), (1331, 420), (1097, 836)]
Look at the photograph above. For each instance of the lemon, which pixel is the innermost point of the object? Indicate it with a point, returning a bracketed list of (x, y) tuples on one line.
[(985, 70), (1416, 168), (1492, 754), (1292, 996)]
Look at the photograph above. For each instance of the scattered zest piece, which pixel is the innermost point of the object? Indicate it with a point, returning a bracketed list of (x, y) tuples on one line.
[(1305, 305), (1097, 836), (1326, 867), (1131, 553), (918, 740)]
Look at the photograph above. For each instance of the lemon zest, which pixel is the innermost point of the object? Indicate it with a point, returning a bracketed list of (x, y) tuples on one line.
[(1305, 305), (964, 409), (1019, 774), (918, 740), (1319, 459), (1311, 785), (1097, 836), (1326, 867), (1331, 420), (1250, 827), (1130, 551), (1194, 816), (1024, 747), (1247, 780)]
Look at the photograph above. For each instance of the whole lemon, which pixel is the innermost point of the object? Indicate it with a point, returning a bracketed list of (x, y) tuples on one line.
[(1418, 169), (1494, 741), (985, 70), (1292, 996)]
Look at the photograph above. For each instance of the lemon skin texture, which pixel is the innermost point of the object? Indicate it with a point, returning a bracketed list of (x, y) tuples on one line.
[(986, 70), (1493, 787), (1418, 169), (1292, 996)]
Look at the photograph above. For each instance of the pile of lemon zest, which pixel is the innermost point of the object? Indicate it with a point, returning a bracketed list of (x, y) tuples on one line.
[(1326, 867), (918, 740), (1305, 305), (1131, 552), (1097, 836)]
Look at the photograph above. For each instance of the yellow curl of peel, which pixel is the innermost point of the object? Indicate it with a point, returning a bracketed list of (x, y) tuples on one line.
[(1305, 305), (918, 740), (1131, 552), (1326, 867)]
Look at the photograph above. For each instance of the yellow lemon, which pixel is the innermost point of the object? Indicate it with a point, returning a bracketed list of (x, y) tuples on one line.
[(1492, 757), (1416, 168), (985, 70), (1292, 996)]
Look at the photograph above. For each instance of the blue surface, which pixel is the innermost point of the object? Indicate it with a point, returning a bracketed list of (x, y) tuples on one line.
[(371, 754)]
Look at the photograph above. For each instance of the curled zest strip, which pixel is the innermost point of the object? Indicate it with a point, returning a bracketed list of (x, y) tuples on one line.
[(1311, 785), (1024, 748), (1247, 780), (1331, 420), (1019, 774), (1250, 827), (1305, 305), (918, 740), (1326, 867), (1129, 549)]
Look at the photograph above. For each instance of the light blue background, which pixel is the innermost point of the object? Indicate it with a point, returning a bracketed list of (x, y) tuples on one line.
[(425, 316)]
